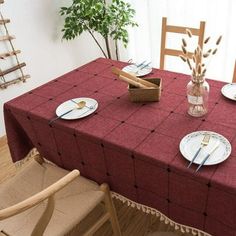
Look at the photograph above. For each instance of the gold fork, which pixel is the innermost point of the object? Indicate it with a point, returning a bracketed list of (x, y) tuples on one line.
[(204, 143)]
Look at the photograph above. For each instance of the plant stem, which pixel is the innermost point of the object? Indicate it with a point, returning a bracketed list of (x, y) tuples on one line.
[(97, 43), (108, 47), (117, 50), (106, 37)]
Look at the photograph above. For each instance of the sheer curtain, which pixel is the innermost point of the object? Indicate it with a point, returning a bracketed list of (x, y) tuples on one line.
[(220, 17)]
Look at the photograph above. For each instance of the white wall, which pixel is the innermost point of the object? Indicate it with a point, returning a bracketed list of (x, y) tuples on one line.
[(37, 27)]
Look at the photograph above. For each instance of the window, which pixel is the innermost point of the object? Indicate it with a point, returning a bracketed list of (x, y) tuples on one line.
[(220, 18)]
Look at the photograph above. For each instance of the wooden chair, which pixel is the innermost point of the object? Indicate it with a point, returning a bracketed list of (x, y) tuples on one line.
[(43, 199), (180, 30), (234, 75)]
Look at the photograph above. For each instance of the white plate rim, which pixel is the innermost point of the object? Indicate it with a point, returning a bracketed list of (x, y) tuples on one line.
[(221, 138), (148, 70), (81, 113), (223, 91)]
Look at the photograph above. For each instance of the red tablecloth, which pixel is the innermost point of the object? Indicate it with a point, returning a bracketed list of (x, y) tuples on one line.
[(134, 147)]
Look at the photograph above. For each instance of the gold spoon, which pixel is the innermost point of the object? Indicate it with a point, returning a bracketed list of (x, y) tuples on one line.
[(90, 107), (80, 105)]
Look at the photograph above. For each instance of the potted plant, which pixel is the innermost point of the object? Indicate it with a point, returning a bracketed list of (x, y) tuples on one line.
[(110, 20)]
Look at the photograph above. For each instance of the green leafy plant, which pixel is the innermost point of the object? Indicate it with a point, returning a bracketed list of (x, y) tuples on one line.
[(110, 20)]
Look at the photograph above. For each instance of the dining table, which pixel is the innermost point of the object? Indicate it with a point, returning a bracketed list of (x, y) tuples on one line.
[(133, 146)]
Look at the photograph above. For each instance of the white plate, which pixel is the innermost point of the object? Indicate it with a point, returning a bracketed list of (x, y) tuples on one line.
[(229, 91), (138, 71), (191, 143), (90, 107)]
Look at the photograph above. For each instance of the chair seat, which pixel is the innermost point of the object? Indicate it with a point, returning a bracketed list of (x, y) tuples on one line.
[(32, 179)]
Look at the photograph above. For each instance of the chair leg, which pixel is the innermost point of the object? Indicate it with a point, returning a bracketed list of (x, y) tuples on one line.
[(111, 210)]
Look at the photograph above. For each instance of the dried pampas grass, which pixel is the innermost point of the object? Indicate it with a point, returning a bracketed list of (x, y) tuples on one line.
[(183, 58), (218, 40), (189, 33), (184, 42), (184, 50), (206, 40), (195, 60), (214, 52)]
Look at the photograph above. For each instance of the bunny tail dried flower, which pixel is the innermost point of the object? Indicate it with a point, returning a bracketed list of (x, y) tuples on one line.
[(207, 40), (183, 58), (189, 33), (218, 40)]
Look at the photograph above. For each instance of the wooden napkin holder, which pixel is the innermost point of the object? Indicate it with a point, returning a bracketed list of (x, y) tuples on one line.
[(146, 95)]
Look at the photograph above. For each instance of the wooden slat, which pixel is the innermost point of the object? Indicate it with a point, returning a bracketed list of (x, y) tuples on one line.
[(2, 73), (7, 37), (8, 54), (163, 43), (173, 52), (181, 30), (234, 76), (14, 81), (201, 34), (4, 21)]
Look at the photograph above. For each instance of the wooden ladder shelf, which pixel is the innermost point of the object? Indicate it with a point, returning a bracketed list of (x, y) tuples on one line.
[(7, 38)]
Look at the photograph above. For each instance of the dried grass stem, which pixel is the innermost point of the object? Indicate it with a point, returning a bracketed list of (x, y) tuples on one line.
[(218, 40), (207, 40), (184, 43), (183, 58), (189, 33), (195, 62), (184, 50)]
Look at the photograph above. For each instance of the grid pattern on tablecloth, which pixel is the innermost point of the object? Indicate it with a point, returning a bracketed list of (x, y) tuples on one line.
[(134, 147)]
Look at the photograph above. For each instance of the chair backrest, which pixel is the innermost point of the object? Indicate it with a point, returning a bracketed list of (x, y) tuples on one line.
[(48, 194), (26, 191), (234, 75), (199, 32)]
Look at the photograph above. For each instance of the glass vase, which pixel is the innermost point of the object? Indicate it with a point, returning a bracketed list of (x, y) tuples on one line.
[(197, 95)]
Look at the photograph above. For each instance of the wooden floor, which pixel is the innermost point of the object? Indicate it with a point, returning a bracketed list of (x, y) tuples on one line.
[(7, 168), (133, 222)]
